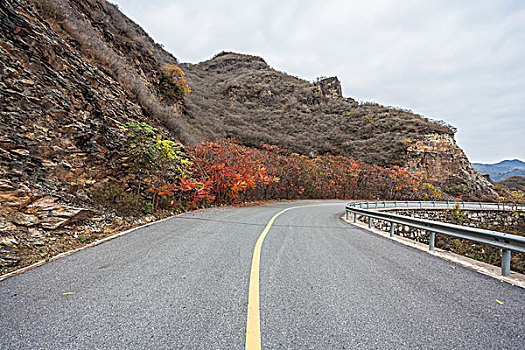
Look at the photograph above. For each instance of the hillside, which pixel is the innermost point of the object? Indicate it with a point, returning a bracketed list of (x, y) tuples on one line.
[(513, 183), (243, 97), (116, 71), (73, 73), (502, 170)]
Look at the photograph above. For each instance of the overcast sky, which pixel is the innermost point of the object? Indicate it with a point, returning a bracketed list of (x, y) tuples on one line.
[(460, 61)]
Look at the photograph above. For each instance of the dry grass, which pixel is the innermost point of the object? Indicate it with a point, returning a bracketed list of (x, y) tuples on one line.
[(241, 96)]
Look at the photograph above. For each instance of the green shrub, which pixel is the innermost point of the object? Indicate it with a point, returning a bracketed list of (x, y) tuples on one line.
[(456, 215)]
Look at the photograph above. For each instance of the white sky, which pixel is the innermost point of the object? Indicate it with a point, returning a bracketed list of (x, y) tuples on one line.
[(462, 61)]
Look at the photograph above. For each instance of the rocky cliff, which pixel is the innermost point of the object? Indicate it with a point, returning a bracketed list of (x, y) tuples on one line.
[(443, 163), (71, 75)]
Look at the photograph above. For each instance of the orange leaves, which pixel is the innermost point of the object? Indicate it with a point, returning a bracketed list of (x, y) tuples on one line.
[(235, 172), (224, 172), (404, 182), (175, 76), (189, 189), (229, 168)]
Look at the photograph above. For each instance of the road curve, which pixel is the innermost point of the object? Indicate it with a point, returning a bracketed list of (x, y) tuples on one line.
[(183, 284)]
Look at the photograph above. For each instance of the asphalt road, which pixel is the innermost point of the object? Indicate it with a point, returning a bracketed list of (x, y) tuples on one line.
[(324, 284)]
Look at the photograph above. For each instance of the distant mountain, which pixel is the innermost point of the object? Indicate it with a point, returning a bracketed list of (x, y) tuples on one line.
[(502, 170)]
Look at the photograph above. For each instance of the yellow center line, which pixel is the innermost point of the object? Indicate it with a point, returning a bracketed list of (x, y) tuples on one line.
[(253, 322)]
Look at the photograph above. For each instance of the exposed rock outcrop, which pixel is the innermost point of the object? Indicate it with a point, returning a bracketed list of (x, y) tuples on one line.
[(442, 162), (330, 87), (62, 116)]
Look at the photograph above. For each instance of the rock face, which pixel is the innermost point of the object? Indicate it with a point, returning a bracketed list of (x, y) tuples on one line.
[(330, 88), (442, 162), (62, 117), (63, 109)]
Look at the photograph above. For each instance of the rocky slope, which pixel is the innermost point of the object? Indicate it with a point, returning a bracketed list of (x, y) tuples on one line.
[(72, 73), (242, 96), (446, 165)]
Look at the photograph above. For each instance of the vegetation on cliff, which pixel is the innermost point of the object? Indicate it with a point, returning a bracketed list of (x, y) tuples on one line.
[(162, 176), (241, 96), (94, 115)]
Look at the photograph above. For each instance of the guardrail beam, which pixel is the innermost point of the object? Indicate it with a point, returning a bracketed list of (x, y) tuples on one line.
[(507, 242)]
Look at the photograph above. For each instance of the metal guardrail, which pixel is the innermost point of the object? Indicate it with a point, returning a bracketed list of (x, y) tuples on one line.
[(436, 204), (507, 242)]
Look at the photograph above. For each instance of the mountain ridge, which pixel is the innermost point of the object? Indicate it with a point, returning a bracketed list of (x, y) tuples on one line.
[(241, 96), (501, 170)]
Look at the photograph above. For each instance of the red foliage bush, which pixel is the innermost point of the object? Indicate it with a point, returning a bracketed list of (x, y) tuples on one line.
[(234, 173)]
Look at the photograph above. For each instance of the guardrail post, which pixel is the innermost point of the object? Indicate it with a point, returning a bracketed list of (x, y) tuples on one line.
[(512, 242), (505, 262), (432, 241)]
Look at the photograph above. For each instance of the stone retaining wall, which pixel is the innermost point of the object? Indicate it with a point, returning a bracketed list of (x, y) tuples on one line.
[(497, 220)]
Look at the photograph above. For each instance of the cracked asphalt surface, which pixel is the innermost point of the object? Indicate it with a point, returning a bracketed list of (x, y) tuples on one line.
[(325, 284)]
